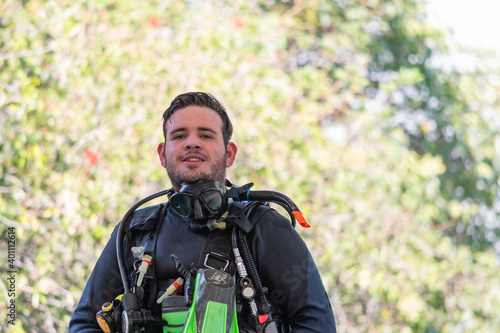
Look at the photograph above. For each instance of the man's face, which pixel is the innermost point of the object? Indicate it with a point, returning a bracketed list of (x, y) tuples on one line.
[(194, 146)]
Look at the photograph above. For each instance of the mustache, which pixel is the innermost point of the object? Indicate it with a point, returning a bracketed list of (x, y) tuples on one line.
[(191, 152)]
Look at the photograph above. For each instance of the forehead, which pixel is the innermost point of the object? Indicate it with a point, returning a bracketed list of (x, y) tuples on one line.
[(192, 117)]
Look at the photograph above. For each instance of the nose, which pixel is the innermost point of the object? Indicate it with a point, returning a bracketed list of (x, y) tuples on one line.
[(192, 142)]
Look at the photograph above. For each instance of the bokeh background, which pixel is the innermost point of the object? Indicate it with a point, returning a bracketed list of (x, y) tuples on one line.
[(349, 107)]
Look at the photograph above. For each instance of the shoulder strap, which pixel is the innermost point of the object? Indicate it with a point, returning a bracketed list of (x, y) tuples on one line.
[(217, 251), (143, 231)]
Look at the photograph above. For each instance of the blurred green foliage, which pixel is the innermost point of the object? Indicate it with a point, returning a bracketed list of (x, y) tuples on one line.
[(338, 104)]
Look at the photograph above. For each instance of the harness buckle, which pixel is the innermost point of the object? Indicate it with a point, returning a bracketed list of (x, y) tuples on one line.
[(218, 257)]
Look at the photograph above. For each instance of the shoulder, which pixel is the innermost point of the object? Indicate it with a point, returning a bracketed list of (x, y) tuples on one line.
[(247, 215), (268, 221), (146, 218)]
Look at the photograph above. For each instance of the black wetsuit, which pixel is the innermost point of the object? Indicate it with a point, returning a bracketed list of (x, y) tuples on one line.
[(282, 259)]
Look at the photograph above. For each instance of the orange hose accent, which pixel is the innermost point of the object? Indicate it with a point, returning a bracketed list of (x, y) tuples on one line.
[(301, 219)]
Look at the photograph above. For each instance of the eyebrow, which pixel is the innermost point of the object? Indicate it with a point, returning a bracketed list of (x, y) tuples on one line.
[(206, 129), (200, 129)]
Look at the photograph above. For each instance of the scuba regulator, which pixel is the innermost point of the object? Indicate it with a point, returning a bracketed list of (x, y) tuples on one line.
[(209, 293)]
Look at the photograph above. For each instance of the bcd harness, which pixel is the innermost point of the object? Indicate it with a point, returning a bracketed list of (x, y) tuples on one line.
[(225, 250)]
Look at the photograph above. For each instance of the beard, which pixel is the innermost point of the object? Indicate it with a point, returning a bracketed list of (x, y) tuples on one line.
[(216, 172)]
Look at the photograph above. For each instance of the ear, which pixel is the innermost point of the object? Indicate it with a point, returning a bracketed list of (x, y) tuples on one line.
[(161, 154), (231, 154)]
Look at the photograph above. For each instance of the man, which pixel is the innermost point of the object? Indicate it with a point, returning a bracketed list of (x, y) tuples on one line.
[(197, 147)]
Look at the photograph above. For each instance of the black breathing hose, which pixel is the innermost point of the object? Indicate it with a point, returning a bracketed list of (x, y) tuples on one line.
[(273, 196), (252, 270)]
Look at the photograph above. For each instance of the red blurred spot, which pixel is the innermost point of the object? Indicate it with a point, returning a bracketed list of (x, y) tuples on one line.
[(238, 22), (154, 22), (91, 155)]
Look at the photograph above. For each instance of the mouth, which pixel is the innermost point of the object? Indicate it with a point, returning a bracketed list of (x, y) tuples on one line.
[(193, 159)]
